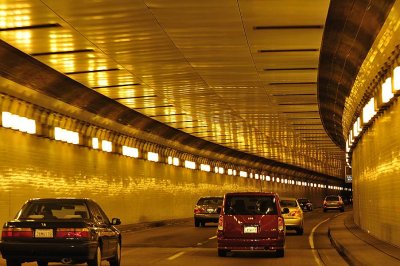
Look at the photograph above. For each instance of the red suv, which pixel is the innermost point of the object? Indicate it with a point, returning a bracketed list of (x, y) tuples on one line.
[(251, 221)]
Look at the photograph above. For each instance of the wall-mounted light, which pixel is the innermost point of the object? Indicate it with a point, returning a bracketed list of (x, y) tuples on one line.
[(396, 79), (152, 156), (386, 91), (19, 123), (106, 146), (130, 151), (95, 143), (205, 167), (190, 164), (368, 111), (230, 171), (243, 174), (66, 135)]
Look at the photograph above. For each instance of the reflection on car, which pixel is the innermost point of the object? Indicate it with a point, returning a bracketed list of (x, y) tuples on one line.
[(305, 204), (333, 202), (207, 210), (251, 221), (294, 220), (63, 230)]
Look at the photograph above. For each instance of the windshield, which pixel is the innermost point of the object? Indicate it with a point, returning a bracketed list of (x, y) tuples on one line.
[(288, 203), (54, 210), (332, 198), (248, 205), (210, 201)]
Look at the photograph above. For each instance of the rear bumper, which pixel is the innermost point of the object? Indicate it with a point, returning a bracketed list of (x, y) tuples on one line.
[(333, 207), (293, 223), (25, 252), (251, 244), (207, 217)]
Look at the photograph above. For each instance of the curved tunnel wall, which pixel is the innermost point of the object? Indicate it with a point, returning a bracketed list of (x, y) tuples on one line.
[(134, 190), (376, 182)]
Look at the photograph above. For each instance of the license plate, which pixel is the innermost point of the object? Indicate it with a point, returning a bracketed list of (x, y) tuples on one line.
[(250, 229), (210, 210), (44, 233)]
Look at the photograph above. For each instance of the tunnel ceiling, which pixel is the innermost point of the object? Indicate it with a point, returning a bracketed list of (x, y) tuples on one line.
[(242, 74), (350, 31)]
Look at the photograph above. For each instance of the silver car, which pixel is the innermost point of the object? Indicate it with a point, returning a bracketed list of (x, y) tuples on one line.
[(207, 210)]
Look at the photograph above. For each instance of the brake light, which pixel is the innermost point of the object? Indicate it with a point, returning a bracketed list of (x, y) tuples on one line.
[(72, 233), (221, 223), (16, 232), (281, 224), (295, 213), (198, 210)]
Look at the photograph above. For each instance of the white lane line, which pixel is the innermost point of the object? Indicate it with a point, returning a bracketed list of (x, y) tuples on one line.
[(213, 237), (176, 255), (311, 241)]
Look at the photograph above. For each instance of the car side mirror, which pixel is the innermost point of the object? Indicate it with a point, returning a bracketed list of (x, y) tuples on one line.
[(285, 210), (115, 221)]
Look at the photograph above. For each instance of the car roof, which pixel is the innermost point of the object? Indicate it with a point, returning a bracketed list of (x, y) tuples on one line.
[(59, 199), (287, 198), (251, 193), (211, 197)]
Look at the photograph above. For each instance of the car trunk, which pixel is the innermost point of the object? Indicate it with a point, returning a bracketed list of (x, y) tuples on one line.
[(250, 226)]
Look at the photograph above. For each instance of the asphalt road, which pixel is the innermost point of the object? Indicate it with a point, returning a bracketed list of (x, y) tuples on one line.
[(183, 244)]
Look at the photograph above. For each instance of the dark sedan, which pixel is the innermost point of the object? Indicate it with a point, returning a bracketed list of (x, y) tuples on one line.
[(61, 230)]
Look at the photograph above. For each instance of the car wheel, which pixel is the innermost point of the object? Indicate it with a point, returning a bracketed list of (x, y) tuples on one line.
[(42, 263), (300, 231), (97, 259), (222, 252), (196, 223), (13, 263), (116, 260), (280, 253)]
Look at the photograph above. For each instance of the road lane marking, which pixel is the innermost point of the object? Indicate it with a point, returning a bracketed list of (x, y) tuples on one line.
[(311, 240), (176, 255), (213, 237)]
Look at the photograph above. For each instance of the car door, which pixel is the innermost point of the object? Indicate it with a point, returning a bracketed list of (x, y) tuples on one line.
[(102, 228)]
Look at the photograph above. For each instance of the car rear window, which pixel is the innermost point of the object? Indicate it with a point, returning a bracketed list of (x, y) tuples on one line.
[(288, 203), (54, 210), (332, 198), (210, 201), (250, 205)]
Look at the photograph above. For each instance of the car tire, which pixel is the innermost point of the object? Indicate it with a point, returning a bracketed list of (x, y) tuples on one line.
[(222, 252), (42, 263), (116, 260), (196, 223), (97, 259), (299, 231), (13, 263), (280, 253)]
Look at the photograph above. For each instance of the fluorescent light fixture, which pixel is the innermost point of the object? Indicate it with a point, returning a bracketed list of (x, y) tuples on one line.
[(251, 175), (221, 170), (169, 159), (190, 164), (216, 169), (387, 93), (95, 143), (234, 172), (357, 127), (277, 179), (243, 174), (205, 167), (256, 176), (106, 146), (19, 123), (66, 135), (129, 151), (368, 111), (175, 161), (396, 79), (230, 171), (152, 156)]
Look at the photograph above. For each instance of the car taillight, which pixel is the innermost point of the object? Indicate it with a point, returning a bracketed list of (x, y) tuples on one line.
[(295, 213), (198, 210), (221, 223), (281, 224), (72, 233), (15, 232), (324, 202)]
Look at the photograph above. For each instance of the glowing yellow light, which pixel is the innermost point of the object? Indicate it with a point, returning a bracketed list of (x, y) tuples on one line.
[(190, 164), (95, 143), (205, 167), (396, 79), (230, 171), (387, 93), (106, 146), (368, 111), (19, 123), (221, 170), (129, 151), (152, 156), (66, 135), (243, 174)]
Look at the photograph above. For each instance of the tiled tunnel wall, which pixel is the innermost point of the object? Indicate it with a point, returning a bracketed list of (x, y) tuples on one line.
[(134, 190), (376, 177)]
